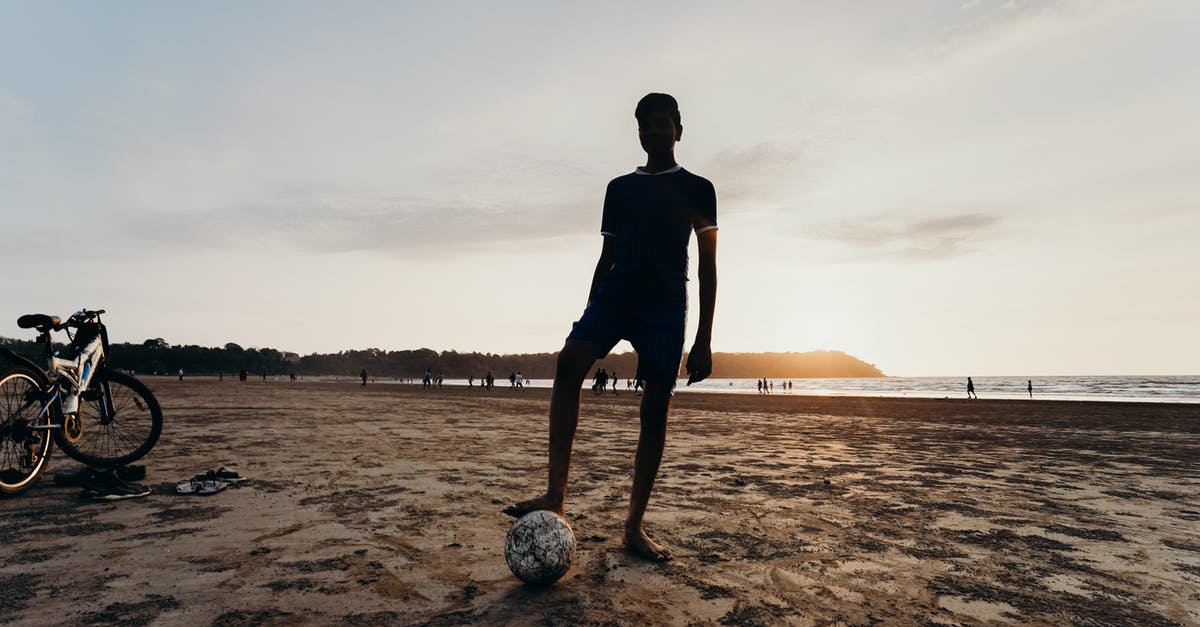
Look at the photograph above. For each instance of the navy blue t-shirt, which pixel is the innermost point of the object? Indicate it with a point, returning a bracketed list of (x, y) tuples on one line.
[(650, 218)]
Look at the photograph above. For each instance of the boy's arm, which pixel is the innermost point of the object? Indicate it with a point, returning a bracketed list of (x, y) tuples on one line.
[(607, 253), (699, 361)]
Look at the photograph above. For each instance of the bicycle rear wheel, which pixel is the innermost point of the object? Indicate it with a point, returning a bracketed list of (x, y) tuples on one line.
[(121, 421), (23, 449)]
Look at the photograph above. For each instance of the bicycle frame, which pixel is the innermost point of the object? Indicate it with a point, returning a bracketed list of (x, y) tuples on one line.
[(76, 372)]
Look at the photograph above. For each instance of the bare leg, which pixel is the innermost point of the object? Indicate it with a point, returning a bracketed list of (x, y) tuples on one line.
[(655, 404), (574, 361)]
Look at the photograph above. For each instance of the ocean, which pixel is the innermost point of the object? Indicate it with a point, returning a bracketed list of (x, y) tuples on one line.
[(1124, 388)]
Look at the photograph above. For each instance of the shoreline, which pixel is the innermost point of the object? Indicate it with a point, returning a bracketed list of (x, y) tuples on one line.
[(682, 391)]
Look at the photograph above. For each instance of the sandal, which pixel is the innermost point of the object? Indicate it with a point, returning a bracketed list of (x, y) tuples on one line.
[(225, 474), (203, 487), (220, 474)]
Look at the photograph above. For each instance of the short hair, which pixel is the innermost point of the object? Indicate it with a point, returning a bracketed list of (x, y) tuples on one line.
[(657, 103)]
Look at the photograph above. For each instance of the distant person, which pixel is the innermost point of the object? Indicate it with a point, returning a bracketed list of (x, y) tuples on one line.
[(181, 374), (615, 381), (759, 384), (427, 379), (1030, 388), (971, 388), (292, 376), (471, 381), (491, 381), (363, 375), (512, 379), (243, 375), (520, 380), (639, 293)]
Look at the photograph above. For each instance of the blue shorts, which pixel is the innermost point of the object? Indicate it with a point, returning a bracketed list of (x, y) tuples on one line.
[(655, 330)]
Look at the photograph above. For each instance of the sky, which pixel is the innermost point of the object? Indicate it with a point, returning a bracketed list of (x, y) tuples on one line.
[(937, 187)]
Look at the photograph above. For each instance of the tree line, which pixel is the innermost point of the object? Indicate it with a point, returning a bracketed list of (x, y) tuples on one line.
[(157, 356)]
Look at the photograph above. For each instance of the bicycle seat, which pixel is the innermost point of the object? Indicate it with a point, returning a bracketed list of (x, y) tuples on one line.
[(38, 321)]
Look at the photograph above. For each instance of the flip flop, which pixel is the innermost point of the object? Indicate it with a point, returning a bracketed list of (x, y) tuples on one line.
[(231, 476), (220, 474), (203, 487), (211, 487)]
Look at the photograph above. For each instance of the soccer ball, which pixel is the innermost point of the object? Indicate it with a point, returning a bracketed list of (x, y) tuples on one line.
[(540, 547)]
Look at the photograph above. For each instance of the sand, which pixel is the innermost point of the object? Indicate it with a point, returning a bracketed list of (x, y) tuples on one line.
[(382, 506)]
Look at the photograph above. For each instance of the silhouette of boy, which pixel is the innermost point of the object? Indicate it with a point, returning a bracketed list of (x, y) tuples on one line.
[(639, 293)]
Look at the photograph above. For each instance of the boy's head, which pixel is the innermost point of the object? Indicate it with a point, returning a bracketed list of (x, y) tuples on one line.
[(659, 124), (657, 103)]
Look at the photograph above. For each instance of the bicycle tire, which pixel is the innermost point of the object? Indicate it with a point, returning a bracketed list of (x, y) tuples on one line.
[(18, 468), (122, 437)]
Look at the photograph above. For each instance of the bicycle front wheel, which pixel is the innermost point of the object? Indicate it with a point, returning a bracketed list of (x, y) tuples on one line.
[(121, 421), (23, 449)]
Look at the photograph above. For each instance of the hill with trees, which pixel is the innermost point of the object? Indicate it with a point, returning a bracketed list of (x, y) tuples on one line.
[(156, 355)]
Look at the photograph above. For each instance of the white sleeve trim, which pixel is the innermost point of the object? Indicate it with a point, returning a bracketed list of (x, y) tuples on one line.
[(608, 234), (705, 228)]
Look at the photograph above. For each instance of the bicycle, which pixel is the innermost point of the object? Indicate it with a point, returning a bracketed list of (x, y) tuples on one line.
[(98, 415)]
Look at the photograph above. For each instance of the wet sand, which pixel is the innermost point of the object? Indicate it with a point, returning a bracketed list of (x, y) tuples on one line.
[(382, 506)]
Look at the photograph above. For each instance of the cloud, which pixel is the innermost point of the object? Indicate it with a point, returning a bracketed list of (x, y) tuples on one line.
[(207, 198), (898, 237), (767, 172), (409, 226)]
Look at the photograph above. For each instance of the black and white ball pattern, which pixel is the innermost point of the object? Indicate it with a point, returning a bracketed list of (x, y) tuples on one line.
[(540, 547)]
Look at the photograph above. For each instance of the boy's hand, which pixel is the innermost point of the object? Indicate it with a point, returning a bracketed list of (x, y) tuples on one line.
[(699, 362)]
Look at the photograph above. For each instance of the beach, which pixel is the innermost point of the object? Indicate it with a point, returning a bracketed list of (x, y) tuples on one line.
[(381, 505)]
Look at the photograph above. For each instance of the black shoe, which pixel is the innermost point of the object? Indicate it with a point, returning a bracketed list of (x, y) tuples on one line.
[(87, 477), (80, 478), (130, 473), (115, 491)]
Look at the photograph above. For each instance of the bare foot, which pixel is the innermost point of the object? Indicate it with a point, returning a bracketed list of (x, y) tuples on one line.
[(640, 544), (533, 505)]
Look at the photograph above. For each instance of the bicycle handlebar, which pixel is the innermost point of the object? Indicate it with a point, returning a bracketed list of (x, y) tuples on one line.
[(79, 317)]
